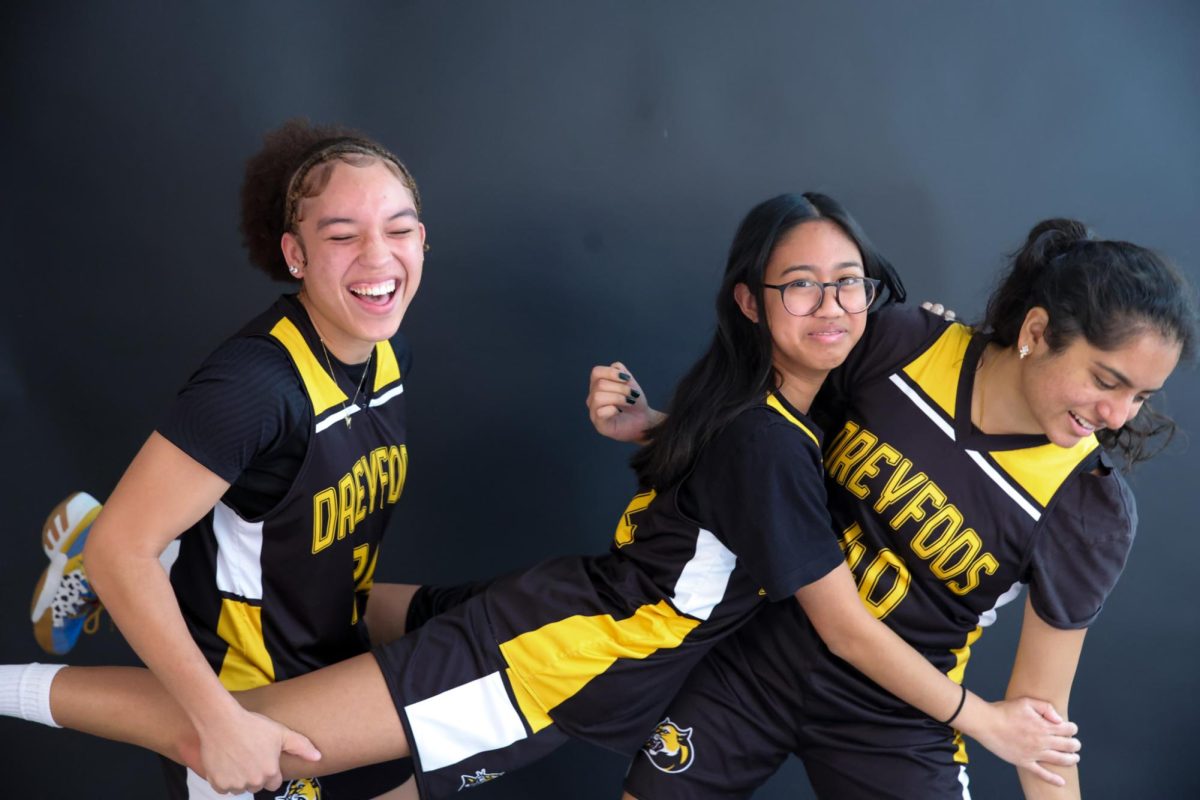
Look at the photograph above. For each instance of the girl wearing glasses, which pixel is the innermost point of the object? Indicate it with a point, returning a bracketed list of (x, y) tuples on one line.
[(966, 464), (732, 514)]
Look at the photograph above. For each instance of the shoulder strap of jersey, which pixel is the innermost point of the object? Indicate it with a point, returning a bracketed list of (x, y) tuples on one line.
[(774, 403), (936, 370)]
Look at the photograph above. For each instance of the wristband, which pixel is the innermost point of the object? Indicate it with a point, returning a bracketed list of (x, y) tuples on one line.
[(961, 702)]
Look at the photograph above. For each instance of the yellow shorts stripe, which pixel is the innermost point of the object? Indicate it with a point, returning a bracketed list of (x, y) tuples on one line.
[(553, 663)]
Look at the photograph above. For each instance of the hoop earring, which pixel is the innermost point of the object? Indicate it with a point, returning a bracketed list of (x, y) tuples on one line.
[(1023, 351)]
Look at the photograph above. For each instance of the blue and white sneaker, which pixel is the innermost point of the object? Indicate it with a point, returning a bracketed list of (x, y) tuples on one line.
[(64, 604)]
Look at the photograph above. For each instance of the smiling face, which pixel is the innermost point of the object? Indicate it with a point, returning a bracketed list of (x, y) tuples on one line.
[(359, 251), (805, 349), (1081, 389)]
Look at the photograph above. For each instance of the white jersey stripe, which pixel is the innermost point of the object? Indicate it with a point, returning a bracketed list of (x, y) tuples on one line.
[(1008, 488), (920, 403), (337, 416), (703, 579), (987, 468), (388, 395), (239, 553), (441, 738), (965, 781), (989, 616)]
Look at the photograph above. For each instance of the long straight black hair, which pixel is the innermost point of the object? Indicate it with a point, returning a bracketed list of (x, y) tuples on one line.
[(1105, 291), (736, 371)]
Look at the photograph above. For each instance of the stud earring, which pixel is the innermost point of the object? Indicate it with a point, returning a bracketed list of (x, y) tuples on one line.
[(1023, 351), (292, 268)]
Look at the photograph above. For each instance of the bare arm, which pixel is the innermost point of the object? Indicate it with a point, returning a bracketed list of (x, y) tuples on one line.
[(1021, 731), (162, 494), (1045, 667), (387, 611)]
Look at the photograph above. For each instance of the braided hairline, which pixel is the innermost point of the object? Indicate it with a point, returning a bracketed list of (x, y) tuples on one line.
[(337, 148)]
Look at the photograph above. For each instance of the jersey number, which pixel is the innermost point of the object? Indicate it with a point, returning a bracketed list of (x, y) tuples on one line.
[(364, 576), (626, 527), (884, 582)]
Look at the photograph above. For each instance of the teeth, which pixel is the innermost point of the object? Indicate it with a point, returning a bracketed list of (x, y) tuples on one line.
[(387, 287), (1081, 421)]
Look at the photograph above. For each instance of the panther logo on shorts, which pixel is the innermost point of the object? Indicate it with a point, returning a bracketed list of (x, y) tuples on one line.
[(670, 748), (481, 776), (301, 789)]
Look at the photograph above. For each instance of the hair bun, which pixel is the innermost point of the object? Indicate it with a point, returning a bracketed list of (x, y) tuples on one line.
[(1051, 238)]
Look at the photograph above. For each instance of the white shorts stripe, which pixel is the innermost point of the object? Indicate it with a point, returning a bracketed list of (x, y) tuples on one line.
[(702, 581), (199, 789), (458, 723)]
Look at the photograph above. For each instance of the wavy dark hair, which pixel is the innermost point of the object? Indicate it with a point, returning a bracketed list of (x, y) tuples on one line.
[(294, 163), (1105, 291), (736, 371)]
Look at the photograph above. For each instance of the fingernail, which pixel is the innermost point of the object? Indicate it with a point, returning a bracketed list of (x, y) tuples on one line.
[(635, 394), (630, 400), (620, 411), (623, 376)]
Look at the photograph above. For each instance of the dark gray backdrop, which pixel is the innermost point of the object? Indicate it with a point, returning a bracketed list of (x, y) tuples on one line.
[(583, 167)]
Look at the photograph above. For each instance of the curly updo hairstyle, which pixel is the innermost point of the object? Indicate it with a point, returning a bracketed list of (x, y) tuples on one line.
[(295, 163)]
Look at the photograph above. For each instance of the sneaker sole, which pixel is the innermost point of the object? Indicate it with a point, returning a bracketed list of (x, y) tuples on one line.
[(62, 541)]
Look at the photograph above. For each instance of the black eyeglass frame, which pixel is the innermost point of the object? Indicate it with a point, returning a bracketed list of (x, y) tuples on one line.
[(837, 296)]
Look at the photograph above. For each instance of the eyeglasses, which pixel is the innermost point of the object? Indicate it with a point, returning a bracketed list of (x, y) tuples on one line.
[(803, 297)]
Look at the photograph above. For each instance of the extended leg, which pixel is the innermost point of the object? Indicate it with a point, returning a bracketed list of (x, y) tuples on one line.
[(345, 709)]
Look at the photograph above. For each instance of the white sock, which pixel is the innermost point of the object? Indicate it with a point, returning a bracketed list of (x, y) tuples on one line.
[(25, 691)]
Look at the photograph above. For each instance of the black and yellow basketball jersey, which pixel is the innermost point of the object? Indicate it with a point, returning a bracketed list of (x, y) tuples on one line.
[(941, 523), (279, 594)]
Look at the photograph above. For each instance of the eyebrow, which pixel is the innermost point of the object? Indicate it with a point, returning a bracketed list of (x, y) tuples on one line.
[(1122, 379), (808, 268), (325, 222)]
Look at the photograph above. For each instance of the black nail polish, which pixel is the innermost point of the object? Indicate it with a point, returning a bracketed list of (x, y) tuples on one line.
[(623, 376), (630, 400), (635, 394)]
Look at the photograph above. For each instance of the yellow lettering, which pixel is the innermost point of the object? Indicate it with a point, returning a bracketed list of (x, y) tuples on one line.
[(851, 546), (379, 457), (941, 565), (886, 561), (949, 519), (345, 506), (869, 468), (985, 563), (897, 487), (359, 471), (371, 470), (854, 451), (912, 510), (324, 514), (833, 448), (397, 469)]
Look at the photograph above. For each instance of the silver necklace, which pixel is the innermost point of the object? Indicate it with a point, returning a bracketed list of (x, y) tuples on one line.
[(361, 381)]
